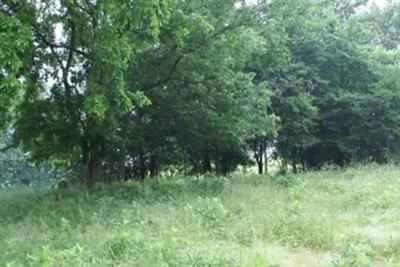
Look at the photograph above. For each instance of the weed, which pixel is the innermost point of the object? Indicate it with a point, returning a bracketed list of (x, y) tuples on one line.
[(355, 255), (211, 213), (245, 220), (296, 228)]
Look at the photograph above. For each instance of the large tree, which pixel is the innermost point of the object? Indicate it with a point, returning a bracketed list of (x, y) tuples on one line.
[(205, 105), (70, 72)]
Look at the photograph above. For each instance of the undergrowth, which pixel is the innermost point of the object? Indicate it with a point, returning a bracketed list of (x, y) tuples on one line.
[(336, 218)]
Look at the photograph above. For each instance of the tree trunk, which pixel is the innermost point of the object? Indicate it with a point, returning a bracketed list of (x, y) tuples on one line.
[(94, 165), (153, 166), (258, 157), (206, 162), (294, 166), (260, 166), (220, 166), (223, 166), (121, 170), (265, 161), (142, 166), (284, 167), (127, 173)]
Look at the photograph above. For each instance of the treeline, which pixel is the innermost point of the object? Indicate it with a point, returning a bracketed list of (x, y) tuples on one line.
[(131, 88)]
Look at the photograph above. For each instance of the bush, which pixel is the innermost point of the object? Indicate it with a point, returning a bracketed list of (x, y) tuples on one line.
[(355, 255), (211, 213), (286, 180), (296, 228), (119, 246)]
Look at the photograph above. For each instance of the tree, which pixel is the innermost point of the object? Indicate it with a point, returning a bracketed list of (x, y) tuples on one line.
[(15, 40), (132, 88), (286, 68), (74, 86), (384, 25), (204, 104)]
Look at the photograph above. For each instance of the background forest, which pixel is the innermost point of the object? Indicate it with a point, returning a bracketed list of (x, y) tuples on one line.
[(121, 90)]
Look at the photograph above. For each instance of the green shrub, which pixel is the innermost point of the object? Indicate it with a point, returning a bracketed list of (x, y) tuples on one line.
[(41, 257), (369, 198), (296, 228), (286, 180), (355, 255), (211, 213), (119, 246)]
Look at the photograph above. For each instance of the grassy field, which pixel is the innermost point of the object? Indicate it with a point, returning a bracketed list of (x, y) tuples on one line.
[(337, 218)]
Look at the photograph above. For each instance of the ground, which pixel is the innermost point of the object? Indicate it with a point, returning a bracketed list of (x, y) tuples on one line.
[(347, 218)]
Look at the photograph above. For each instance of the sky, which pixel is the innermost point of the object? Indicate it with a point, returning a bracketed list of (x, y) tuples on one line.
[(380, 3)]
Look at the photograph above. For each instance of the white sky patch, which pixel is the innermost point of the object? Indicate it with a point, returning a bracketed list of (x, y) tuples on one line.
[(379, 3), (58, 32), (372, 3)]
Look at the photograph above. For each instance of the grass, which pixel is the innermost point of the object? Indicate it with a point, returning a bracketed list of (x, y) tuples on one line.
[(339, 218)]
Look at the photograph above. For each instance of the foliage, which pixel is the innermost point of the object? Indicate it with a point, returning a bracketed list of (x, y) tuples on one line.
[(296, 228), (354, 255), (15, 170), (135, 89)]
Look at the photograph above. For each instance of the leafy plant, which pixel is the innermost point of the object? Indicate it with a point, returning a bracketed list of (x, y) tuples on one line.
[(296, 228)]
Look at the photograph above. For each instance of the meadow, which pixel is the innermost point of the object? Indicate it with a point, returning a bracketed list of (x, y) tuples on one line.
[(337, 218)]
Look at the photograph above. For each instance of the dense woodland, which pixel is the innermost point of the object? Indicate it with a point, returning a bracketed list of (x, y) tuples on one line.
[(129, 89)]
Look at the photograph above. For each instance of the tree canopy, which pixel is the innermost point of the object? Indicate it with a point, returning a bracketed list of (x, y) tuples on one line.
[(131, 88)]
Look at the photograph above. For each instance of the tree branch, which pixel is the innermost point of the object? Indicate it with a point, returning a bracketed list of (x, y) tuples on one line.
[(52, 46)]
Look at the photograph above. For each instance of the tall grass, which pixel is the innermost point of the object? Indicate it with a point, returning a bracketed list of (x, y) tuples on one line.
[(331, 218)]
